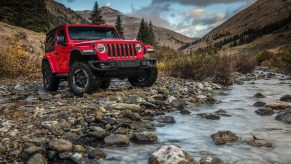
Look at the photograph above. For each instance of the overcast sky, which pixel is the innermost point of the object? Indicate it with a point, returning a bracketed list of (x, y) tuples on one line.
[(193, 18)]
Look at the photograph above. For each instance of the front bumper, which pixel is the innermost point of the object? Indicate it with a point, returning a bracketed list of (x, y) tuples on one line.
[(122, 64)]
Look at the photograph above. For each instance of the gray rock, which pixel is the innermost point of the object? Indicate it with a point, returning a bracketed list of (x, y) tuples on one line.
[(60, 145), (103, 101), (31, 150), (97, 132), (211, 160), (163, 91), (145, 137), (286, 98), (259, 104), (209, 116), (53, 126), (37, 141), (65, 155), (78, 158), (109, 120), (166, 119), (97, 154), (284, 115), (45, 96), (185, 112), (133, 99), (37, 159), (117, 140), (259, 95), (265, 111), (171, 154)]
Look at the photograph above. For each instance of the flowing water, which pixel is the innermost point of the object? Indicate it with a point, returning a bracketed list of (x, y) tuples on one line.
[(192, 133)]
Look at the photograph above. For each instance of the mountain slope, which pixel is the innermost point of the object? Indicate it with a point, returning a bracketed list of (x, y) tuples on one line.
[(59, 14), (164, 37), (265, 24)]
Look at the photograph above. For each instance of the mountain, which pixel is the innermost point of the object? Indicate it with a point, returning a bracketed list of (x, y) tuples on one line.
[(164, 37), (60, 14), (264, 24)]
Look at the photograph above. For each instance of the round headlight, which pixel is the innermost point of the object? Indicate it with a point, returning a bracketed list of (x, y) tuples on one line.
[(101, 48), (138, 48)]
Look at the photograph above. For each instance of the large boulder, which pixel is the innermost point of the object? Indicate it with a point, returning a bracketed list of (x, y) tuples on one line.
[(123, 106), (60, 145), (171, 154), (117, 140), (284, 116), (286, 98), (145, 137), (223, 137)]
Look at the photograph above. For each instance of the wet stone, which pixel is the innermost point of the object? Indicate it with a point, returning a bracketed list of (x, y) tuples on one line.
[(286, 98), (259, 104), (256, 142), (284, 116), (223, 137), (265, 111), (97, 154), (166, 119), (211, 160), (209, 116), (117, 140), (171, 154), (78, 158), (65, 155), (31, 150), (259, 95), (145, 137), (185, 112)]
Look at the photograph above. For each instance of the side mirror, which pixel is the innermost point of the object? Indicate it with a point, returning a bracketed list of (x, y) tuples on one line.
[(149, 49)]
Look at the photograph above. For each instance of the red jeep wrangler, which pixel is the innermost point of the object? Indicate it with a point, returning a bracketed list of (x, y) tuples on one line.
[(88, 56)]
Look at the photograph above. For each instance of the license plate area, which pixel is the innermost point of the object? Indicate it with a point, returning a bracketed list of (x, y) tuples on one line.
[(130, 63)]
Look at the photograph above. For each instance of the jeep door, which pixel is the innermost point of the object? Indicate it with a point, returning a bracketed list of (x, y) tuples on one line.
[(62, 50)]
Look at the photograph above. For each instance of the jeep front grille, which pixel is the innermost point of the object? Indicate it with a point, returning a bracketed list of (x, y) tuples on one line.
[(121, 50)]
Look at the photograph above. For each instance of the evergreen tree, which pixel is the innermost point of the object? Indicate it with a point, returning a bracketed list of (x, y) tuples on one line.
[(118, 26), (96, 16), (152, 39), (141, 36)]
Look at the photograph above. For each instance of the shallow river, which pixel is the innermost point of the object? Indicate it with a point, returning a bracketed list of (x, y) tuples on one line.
[(192, 133)]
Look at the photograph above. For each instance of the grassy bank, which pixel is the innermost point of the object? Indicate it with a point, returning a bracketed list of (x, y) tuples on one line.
[(202, 67), (279, 60)]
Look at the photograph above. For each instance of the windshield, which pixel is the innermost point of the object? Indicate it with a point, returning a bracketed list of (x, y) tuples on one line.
[(91, 33)]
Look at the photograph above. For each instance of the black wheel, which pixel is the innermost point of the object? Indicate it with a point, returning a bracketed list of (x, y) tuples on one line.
[(105, 84), (50, 82), (146, 80), (82, 80)]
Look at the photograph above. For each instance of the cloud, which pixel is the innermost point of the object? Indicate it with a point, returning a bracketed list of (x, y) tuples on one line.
[(198, 2), (153, 13)]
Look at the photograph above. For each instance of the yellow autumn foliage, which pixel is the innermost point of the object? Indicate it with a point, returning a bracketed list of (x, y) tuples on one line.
[(15, 62)]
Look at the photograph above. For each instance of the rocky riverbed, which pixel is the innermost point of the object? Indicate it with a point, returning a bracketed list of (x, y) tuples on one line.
[(183, 120)]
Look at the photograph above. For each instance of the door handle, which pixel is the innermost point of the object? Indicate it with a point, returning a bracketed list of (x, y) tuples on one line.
[(56, 53)]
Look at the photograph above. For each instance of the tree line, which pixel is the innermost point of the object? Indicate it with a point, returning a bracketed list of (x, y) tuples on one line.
[(30, 14), (246, 37)]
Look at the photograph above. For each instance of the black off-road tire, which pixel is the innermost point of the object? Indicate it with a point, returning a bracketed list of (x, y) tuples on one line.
[(105, 84), (147, 80), (50, 82), (92, 81)]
